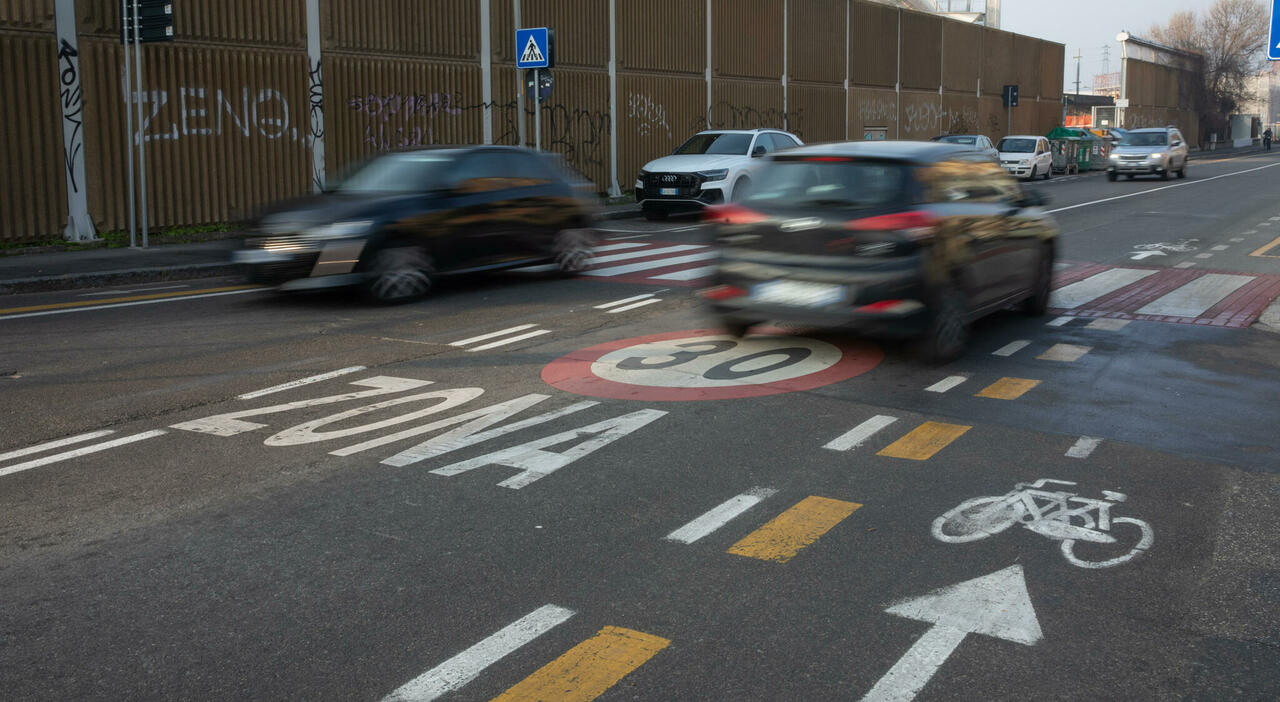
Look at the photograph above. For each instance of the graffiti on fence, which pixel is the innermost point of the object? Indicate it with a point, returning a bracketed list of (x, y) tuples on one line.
[(394, 120), (315, 95), (259, 113), (727, 115), (650, 116)]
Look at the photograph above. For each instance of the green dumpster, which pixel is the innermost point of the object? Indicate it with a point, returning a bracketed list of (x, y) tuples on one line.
[(1092, 149)]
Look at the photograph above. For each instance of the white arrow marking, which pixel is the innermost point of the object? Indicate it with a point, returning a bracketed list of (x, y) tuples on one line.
[(1139, 255), (994, 605)]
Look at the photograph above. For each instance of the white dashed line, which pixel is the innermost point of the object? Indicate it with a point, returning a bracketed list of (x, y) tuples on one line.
[(1220, 247), (50, 445), (1204, 255), (720, 515), (1185, 264), (1083, 447), (634, 305), (512, 340), (623, 301), (857, 435), (1106, 324), (491, 335), (946, 383), (1060, 321), (1011, 348)]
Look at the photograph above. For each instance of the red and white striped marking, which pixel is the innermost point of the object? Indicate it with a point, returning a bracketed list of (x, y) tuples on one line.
[(1182, 296)]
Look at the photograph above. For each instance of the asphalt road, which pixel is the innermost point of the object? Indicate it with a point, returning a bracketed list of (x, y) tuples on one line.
[(582, 513)]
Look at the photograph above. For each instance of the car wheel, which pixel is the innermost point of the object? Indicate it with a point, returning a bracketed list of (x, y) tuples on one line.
[(1182, 172), (1128, 176), (655, 215), (1164, 175), (400, 274), (741, 188), (1048, 173), (948, 332), (1111, 177), (1033, 174), (1037, 305), (573, 250), (735, 328)]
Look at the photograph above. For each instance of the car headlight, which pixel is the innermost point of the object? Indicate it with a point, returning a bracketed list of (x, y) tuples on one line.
[(1024, 161), (1114, 157), (339, 230), (1157, 155), (718, 174)]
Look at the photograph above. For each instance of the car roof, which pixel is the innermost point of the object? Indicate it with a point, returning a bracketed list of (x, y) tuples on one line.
[(757, 130), (1151, 129), (919, 151), (1022, 136)]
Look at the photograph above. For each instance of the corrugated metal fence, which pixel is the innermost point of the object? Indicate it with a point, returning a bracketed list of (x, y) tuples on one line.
[(237, 111)]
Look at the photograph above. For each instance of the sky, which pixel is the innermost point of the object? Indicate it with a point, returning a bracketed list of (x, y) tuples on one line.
[(1088, 25)]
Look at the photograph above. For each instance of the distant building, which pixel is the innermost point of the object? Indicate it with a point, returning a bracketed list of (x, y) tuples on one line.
[(1107, 84), (1265, 104), (984, 12)]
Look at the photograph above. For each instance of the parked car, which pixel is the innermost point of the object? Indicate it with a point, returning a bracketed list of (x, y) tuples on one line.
[(712, 167), (1158, 151), (1026, 156), (883, 238), (403, 219), (977, 142)]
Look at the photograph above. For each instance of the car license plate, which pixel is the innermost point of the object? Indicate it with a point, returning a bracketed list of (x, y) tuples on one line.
[(667, 191), (790, 292)]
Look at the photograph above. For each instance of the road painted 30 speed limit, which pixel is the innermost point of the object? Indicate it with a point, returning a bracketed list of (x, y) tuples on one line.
[(706, 364)]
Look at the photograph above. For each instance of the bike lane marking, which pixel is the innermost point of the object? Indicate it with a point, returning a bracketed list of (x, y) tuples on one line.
[(1008, 388), (1066, 353), (924, 441), (587, 670), (1011, 348), (1083, 447), (467, 665), (858, 435), (790, 532), (706, 364)]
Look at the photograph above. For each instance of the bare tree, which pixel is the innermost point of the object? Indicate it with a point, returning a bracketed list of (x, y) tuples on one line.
[(1231, 36)]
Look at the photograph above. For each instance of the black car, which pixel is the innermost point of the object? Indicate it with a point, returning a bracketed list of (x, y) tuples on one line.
[(404, 218), (885, 238)]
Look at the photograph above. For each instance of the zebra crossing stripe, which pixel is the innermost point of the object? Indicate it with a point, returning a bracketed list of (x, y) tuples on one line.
[(1195, 298), (1095, 286), (650, 265)]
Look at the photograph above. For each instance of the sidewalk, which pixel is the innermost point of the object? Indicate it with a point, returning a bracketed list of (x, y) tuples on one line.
[(68, 270)]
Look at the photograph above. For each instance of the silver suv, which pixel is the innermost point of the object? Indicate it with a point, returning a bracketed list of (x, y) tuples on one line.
[(1158, 151)]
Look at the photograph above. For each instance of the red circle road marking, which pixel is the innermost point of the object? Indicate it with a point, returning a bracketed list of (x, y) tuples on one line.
[(572, 372)]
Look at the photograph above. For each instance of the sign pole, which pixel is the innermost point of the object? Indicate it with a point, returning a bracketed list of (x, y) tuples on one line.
[(128, 124), (537, 109), (142, 140)]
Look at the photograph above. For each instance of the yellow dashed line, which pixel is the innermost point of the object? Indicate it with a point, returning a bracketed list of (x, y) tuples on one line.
[(783, 537), (131, 298), (924, 441), (1267, 247), (1064, 352), (1008, 388), (585, 671)]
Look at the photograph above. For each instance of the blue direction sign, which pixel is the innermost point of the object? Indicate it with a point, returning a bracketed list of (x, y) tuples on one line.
[(533, 48), (1273, 44)]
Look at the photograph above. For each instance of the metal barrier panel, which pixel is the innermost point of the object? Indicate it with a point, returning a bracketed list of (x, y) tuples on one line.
[(662, 35), (921, 51), (747, 38), (962, 53), (1052, 57), (1026, 67), (746, 104), (815, 42), (960, 115), (33, 196), (997, 60), (815, 113), (655, 115), (872, 109), (439, 28), (873, 45)]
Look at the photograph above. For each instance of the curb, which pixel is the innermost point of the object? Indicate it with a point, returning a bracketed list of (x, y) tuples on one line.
[(622, 213), (75, 281)]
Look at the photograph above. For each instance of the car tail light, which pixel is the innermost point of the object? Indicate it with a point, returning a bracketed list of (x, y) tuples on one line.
[(915, 224), (732, 214), (889, 306), (722, 292)]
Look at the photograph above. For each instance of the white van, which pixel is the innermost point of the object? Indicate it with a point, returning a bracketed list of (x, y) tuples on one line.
[(1026, 156)]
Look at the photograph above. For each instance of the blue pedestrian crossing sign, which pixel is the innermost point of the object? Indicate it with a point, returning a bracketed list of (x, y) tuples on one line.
[(1273, 44), (533, 48)]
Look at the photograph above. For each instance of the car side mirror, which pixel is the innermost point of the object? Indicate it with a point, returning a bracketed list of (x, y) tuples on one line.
[(758, 152)]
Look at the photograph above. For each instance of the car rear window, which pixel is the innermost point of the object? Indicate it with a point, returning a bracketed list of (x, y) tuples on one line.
[(1017, 145), (959, 140), (828, 182)]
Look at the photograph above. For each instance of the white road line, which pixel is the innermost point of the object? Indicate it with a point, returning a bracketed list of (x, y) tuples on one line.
[(55, 444), (490, 335), (1220, 247), (946, 383), (691, 274), (615, 247), (645, 253), (634, 305), (1196, 297), (300, 382), (82, 451), (633, 236), (1095, 286), (512, 340), (1204, 255), (1184, 264), (720, 515), (649, 265), (1251, 231), (699, 226), (1106, 324), (1275, 219), (1238, 239), (1011, 348), (623, 301), (1060, 321), (859, 434), (133, 290), (1166, 187), (1083, 447), (130, 304), (1264, 224), (1067, 353), (464, 667)]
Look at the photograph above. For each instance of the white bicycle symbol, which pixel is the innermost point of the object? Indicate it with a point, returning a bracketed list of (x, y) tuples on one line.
[(1182, 246), (1048, 514)]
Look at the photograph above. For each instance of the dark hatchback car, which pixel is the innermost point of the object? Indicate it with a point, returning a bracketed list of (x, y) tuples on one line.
[(403, 219), (883, 238)]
